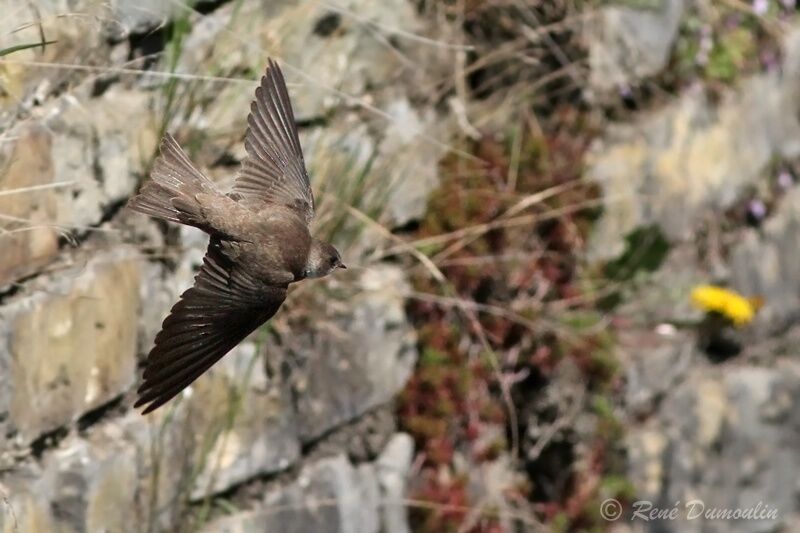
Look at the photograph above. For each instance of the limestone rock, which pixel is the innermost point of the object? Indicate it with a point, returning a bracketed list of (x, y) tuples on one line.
[(329, 496), (25, 502), (94, 485), (329, 53), (124, 474), (339, 73), (742, 416), (69, 339), (628, 43), (410, 179), (349, 164), (77, 26), (103, 146), (69, 166), (250, 430), (166, 461), (681, 161), (69, 348), (28, 240), (77, 487), (332, 495), (139, 16), (764, 263), (392, 467), (344, 375)]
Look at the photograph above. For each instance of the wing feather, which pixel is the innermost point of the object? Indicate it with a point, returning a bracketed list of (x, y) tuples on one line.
[(223, 307), (274, 171)]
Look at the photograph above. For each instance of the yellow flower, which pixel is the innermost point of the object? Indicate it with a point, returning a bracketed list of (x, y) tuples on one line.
[(728, 303)]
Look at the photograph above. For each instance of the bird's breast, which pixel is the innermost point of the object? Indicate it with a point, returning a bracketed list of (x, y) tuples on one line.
[(280, 243)]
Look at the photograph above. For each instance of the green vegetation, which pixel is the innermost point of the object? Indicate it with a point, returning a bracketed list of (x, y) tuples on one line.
[(719, 42), (517, 303), (475, 351), (20, 47)]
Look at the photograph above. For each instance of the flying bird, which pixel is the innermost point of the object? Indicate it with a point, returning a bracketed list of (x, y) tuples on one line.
[(259, 242)]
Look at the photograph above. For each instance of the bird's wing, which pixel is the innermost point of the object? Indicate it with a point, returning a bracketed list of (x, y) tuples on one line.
[(274, 171), (223, 307)]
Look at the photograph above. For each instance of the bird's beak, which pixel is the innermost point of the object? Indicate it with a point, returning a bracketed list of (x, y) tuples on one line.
[(343, 266)]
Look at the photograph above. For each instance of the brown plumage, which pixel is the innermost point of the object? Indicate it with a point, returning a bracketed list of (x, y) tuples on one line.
[(260, 242)]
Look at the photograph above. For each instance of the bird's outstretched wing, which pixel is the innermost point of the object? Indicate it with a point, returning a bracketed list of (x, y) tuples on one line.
[(274, 171), (223, 307)]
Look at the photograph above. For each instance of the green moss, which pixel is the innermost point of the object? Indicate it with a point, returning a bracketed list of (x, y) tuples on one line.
[(722, 43), (432, 357), (730, 55), (646, 248), (560, 523), (602, 408), (617, 487)]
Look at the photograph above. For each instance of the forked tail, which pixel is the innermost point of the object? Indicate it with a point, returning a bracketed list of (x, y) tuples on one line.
[(172, 192)]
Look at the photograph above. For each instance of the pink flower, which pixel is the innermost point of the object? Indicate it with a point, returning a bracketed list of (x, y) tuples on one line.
[(760, 7)]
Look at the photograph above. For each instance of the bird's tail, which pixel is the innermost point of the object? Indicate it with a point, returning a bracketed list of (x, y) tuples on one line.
[(172, 192)]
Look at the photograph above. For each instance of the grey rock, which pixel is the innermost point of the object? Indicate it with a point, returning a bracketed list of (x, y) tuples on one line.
[(84, 157), (392, 469), (338, 156), (343, 376), (682, 161), (350, 163), (249, 431), (101, 146), (628, 43), (723, 435), (25, 503), (654, 353), (331, 495), (78, 26), (410, 179), (676, 164), (764, 263), (80, 486), (94, 485), (69, 347), (347, 77), (363, 439), (125, 472), (28, 241), (654, 364), (140, 16), (328, 64), (130, 471), (743, 416)]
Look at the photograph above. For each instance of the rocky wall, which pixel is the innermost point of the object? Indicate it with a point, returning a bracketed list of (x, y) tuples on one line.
[(720, 431), (86, 283)]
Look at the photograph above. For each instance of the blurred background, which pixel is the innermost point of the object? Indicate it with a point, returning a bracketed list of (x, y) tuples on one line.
[(572, 229)]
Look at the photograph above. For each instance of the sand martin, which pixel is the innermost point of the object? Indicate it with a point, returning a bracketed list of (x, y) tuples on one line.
[(260, 242)]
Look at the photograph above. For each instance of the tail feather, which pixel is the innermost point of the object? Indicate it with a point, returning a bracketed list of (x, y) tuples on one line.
[(172, 192), (155, 201)]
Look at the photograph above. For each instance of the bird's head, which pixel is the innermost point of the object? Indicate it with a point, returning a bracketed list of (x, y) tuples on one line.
[(323, 259)]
